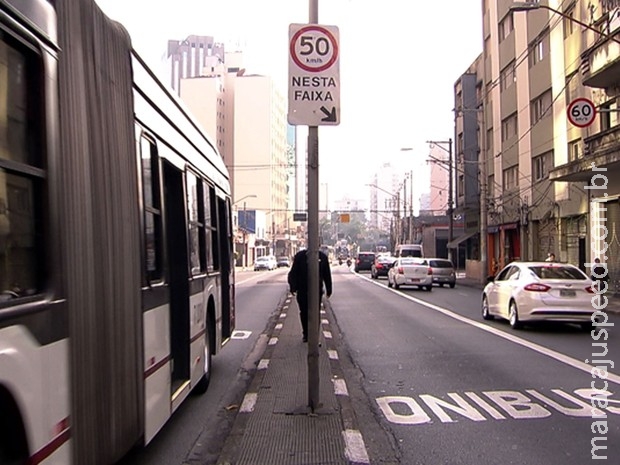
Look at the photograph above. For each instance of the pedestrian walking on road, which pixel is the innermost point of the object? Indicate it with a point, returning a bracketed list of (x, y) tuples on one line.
[(298, 284), (599, 271)]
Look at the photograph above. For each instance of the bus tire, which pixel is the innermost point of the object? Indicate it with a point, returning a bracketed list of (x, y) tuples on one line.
[(13, 444)]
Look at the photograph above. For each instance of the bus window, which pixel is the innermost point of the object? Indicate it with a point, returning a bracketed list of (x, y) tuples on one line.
[(152, 211), (21, 179)]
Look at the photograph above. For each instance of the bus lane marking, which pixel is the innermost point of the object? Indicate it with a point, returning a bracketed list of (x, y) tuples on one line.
[(405, 410)]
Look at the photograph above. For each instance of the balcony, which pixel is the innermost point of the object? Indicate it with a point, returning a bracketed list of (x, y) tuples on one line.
[(600, 63), (602, 149)]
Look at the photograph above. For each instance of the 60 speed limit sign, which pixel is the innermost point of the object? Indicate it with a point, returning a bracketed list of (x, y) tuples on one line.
[(581, 112)]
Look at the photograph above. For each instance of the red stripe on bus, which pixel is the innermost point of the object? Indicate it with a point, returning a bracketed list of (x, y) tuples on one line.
[(50, 448), (198, 335), (152, 369)]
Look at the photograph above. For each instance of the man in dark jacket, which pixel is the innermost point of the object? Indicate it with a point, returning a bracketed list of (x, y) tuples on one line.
[(599, 271), (298, 284)]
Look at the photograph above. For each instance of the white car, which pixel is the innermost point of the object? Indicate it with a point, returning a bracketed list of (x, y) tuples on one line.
[(266, 262), (411, 271), (537, 291)]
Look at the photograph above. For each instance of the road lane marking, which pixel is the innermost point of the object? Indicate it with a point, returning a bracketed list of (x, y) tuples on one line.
[(406, 410), (355, 450), (570, 361)]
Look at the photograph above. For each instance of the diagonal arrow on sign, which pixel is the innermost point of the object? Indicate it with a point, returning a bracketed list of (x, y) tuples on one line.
[(330, 116)]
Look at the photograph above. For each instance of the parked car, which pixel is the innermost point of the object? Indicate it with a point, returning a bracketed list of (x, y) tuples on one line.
[(536, 291), (409, 250), (443, 271), (411, 271), (381, 265), (266, 262), (364, 261), (283, 262)]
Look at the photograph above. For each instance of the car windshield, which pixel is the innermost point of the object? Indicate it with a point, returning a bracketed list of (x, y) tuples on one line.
[(441, 263), (557, 272), (262, 259), (412, 261)]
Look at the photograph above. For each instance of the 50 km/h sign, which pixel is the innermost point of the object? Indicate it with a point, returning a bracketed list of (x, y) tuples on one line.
[(581, 112), (314, 75)]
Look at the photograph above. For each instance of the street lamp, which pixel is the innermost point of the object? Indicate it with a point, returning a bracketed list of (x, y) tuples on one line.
[(244, 260), (450, 188), (527, 6)]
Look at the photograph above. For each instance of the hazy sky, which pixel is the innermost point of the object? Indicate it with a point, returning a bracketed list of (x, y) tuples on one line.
[(399, 60)]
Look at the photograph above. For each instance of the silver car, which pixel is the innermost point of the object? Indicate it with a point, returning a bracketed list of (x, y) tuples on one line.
[(537, 291), (411, 271), (443, 271)]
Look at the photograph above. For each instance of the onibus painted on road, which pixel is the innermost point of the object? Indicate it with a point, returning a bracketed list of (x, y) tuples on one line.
[(116, 271)]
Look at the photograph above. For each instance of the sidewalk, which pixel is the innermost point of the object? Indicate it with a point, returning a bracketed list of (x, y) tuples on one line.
[(274, 426)]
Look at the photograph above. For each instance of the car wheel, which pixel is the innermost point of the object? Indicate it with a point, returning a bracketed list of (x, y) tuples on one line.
[(452, 285), (486, 315), (513, 315)]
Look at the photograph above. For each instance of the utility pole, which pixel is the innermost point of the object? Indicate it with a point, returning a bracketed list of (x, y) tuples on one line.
[(450, 200), (313, 250)]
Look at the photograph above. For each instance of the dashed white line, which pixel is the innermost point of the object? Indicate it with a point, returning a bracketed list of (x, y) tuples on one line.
[(273, 341), (263, 364), (327, 334), (249, 401), (340, 387), (333, 355), (355, 450), (279, 326)]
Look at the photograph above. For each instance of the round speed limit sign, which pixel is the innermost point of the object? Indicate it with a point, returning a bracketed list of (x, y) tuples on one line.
[(581, 112), (314, 48)]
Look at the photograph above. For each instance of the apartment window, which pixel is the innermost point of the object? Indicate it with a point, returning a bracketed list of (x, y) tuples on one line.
[(511, 177), (539, 48), (487, 47), (541, 165), (540, 106), (509, 127), (489, 144), (461, 185), (571, 87), (505, 27), (608, 114), (573, 150), (507, 76), (569, 21)]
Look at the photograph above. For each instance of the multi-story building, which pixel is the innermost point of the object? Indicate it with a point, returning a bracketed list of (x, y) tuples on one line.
[(245, 116), (535, 166)]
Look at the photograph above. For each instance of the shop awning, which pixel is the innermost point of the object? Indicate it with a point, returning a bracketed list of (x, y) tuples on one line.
[(454, 243)]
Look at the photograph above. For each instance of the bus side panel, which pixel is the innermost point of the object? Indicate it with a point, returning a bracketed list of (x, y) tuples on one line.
[(100, 233), (198, 321), (157, 366), (23, 359)]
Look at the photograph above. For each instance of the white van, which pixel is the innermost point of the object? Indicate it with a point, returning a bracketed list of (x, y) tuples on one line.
[(409, 250)]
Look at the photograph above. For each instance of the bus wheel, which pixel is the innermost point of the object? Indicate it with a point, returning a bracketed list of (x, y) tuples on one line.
[(13, 445), (203, 384)]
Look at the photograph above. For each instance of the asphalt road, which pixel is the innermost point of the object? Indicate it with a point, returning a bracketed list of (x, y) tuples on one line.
[(447, 387)]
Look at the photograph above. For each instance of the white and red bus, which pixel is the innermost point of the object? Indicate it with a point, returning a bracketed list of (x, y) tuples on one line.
[(116, 241)]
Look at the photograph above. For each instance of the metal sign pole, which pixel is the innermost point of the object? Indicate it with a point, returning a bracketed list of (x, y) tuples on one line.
[(313, 251)]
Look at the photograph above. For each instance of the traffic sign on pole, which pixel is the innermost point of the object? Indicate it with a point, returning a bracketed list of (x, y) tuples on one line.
[(314, 75), (581, 112)]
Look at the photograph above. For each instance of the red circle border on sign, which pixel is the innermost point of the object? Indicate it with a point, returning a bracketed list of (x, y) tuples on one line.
[(577, 100), (319, 29)]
